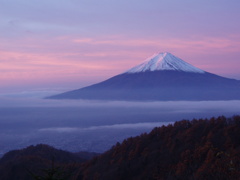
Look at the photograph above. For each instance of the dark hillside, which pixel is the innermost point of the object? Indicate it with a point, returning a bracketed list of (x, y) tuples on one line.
[(197, 149), (187, 150), (19, 164)]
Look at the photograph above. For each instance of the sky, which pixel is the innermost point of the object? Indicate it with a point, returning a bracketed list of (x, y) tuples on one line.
[(58, 45)]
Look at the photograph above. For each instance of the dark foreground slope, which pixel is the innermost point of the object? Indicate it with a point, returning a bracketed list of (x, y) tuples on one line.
[(159, 85), (197, 149), (40, 161)]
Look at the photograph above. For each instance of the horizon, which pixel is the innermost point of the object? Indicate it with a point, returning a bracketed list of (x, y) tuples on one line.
[(64, 45)]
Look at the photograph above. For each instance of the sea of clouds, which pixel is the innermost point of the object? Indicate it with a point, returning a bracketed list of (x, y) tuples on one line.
[(77, 125)]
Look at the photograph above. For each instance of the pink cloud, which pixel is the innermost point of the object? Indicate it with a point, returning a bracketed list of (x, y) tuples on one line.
[(75, 59), (198, 43)]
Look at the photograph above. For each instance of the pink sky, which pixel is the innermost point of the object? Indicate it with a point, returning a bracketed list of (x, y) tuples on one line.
[(70, 44)]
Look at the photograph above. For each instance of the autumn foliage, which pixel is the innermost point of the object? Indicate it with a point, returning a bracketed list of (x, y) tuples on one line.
[(197, 149)]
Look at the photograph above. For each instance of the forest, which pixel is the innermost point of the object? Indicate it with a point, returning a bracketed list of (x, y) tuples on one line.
[(188, 149)]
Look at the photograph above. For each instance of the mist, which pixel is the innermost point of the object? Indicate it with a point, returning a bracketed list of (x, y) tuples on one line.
[(95, 126)]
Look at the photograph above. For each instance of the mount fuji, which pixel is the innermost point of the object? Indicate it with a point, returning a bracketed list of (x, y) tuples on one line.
[(162, 77)]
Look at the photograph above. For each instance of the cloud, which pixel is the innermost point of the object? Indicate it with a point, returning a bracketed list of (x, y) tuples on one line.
[(199, 44), (65, 59), (148, 125)]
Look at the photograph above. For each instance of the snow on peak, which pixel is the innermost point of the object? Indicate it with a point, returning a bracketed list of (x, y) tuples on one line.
[(164, 61)]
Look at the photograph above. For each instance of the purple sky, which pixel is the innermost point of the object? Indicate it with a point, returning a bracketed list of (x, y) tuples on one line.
[(67, 44)]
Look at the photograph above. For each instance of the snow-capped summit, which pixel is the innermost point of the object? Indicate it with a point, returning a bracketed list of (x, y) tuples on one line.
[(164, 61)]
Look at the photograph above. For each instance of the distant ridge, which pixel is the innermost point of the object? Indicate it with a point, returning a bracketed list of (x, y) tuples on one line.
[(162, 77)]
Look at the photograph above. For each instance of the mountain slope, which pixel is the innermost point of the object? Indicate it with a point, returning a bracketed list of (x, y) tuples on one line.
[(23, 164), (37, 160), (162, 77), (197, 149)]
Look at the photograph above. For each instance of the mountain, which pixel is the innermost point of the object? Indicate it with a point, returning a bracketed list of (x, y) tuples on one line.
[(162, 77)]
